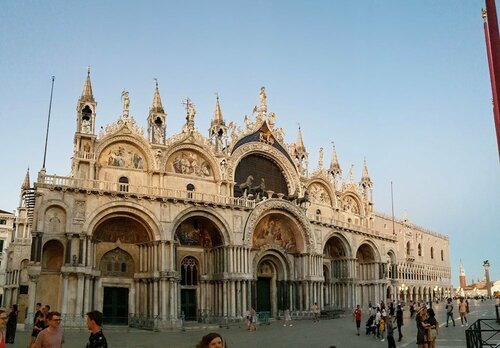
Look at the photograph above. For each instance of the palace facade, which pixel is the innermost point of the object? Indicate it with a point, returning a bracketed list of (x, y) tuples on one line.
[(194, 227)]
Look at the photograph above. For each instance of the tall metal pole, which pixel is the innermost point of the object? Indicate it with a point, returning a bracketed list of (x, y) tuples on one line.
[(392, 204), (48, 124), (492, 37)]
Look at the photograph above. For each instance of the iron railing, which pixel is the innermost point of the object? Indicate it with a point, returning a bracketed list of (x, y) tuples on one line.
[(483, 333)]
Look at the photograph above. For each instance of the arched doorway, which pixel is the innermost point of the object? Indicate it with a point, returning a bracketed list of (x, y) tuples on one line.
[(116, 263), (271, 294), (336, 253), (119, 241), (50, 282), (198, 238), (367, 274)]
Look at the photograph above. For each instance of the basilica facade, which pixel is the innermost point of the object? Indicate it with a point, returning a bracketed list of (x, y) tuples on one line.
[(190, 227)]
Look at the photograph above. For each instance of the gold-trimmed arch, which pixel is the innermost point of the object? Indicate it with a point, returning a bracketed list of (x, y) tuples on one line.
[(276, 255), (340, 236), (369, 242), (111, 209), (289, 172), (280, 205), (208, 213), (128, 140)]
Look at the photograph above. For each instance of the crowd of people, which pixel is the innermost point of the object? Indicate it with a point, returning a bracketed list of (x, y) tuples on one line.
[(46, 331), (381, 321)]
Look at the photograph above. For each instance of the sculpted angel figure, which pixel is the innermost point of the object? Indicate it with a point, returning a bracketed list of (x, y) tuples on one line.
[(125, 102), (262, 96)]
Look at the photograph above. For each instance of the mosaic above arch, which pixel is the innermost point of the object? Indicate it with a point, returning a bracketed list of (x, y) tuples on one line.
[(123, 155), (277, 229), (198, 231), (189, 162)]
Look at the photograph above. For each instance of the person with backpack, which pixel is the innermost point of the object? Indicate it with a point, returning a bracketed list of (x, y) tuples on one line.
[(449, 312)]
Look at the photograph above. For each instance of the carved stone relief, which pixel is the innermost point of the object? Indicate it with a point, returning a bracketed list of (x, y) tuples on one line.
[(318, 194), (350, 205)]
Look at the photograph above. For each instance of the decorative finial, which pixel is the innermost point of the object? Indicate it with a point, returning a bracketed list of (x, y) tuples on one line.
[(125, 103), (320, 161), (484, 14), (156, 82), (88, 70)]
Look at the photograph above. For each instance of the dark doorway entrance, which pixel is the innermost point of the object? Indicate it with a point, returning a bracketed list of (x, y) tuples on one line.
[(263, 294), (188, 304), (115, 306)]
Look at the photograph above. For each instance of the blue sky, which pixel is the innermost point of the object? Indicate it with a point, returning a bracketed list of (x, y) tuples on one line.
[(403, 83)]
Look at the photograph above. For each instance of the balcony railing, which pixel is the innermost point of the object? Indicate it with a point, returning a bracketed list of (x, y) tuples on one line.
[(347, 225), (142, 191), (84, 155)]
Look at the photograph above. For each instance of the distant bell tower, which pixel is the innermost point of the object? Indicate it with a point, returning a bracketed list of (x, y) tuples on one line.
[(461, 276), (486, 267), (83, 146)]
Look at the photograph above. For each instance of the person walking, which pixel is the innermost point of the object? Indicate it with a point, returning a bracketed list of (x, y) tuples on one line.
[(38, 326), (399, 322), (52, 336), (315, 312), (251, 320), (10, 335), (390, 333), (462, 309), (449, 312), (356, 315), (94, 324)]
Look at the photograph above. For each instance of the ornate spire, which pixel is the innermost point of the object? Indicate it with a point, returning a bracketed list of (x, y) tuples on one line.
[(156, 105), (334, 163), (26, 182), (299, 145), (217, 120), (87, 88), (365, 178)]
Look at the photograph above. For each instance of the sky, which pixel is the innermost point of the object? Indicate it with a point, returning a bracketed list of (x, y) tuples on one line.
[(404, 84)]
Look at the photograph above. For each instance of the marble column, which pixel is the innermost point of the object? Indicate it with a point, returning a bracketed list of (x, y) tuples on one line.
[(64, 304)]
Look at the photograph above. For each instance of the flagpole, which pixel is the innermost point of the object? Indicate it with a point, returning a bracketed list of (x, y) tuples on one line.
[(392, 204), (48, 124)]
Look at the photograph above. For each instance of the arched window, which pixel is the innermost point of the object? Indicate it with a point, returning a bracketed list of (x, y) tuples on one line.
[(442, 255), (123, 184), (189, 271), (117, 263), (408, 249), (432, 252), (190, 188), (419, 250)]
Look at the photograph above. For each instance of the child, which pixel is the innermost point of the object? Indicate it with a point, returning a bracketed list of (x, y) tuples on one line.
[(381, 328), (288, 318)]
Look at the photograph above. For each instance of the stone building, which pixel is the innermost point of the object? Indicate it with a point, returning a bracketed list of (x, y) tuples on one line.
[(201, 227), (6, 229)]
